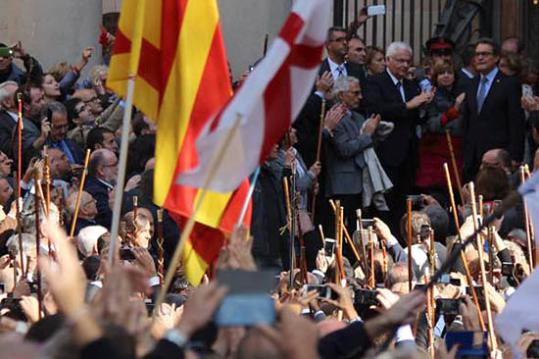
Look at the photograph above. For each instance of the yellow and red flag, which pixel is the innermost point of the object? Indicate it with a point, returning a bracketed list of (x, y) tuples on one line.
[(181, 80)]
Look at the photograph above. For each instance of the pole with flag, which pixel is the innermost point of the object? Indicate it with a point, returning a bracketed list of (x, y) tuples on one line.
[(181, 82), (138, 11)]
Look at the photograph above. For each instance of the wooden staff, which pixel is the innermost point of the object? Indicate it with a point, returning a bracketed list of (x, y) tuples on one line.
[(532, 231), (365, 267), (302, 256), (20, 126), (409, 241), (347, 236), (318, 150), (454, 163), (490, 237), (481, 210), (432, 258), (38, 246), (467, 272), (79, 194), (322, 236), (527, 223), (135, 216), (492, 335), (290, 230), (372, 280), (160, 249), (19, 227), (338, 233), (60, 196), (47, 175)]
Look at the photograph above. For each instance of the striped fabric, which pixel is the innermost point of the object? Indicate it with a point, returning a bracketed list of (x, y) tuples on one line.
[(269, 100), (181, 82)]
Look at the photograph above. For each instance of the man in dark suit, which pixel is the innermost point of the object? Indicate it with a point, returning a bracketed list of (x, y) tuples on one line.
[(492, 115), (398, 100), (57, 114), (344, 152), (335, 63), (102, 172)]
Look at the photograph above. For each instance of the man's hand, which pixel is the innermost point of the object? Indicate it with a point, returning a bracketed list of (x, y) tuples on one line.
[(30, 307), (316, 168), (87, 53), (322, 262), (18, 51), (530, 103), (470, 320), (344, 302), (289, 157), (324, 83), (144, 260), (371, 124), (295, 336), (334, 116), (381, 229), (200, 307), (239, 250), (420, 100), (386, 297), (45, 128), (459, 100), (132, 183)]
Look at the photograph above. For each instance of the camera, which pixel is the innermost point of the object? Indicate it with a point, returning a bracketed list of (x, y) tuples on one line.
[(367, 222), (126, 254), (323, 291), (6, 52), (447, 306), (508, 269), (446, 279), (329, 247), (366, 298)]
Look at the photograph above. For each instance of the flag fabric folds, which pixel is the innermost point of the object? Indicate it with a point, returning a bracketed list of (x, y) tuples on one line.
[(268, 101), (182, 79)]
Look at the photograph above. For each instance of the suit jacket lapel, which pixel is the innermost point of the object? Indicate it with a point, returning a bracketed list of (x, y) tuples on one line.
[(394, 90), (473, 95), (493, 88)]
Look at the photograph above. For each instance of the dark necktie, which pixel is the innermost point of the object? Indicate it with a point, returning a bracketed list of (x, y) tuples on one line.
[(482, 93)]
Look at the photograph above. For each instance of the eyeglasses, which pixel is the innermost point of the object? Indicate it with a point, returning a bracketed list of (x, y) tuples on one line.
[(401, 61), (82, 109), (60, 127), (93, 200), (339, 39), (483, 54), (111, 164)]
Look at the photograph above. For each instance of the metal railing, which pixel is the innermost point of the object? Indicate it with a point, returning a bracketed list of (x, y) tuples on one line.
[(412, 21)]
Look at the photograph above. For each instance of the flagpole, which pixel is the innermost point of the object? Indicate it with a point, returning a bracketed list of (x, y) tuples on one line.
[(248, 198), (126, 122)]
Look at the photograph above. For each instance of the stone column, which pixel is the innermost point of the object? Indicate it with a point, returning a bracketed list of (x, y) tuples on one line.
[(52, 31)]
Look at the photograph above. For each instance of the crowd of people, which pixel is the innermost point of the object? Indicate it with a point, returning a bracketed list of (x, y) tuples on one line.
[(374, 136)]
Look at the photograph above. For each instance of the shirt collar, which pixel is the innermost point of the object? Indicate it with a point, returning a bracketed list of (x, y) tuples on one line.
[(13, 115), (333, 65), (393, 78), (491, 75), (109, 186)]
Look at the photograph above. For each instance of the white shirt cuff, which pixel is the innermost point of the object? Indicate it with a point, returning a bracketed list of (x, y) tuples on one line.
[(154, 281), (404, 333), (392, 241)]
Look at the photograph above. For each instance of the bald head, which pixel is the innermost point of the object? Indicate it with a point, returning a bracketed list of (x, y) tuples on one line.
[(103, 165), (498, 158)]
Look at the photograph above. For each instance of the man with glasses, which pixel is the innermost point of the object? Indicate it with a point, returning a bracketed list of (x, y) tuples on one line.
[(337, 49), (80, 115), (492, 115), (397, 100), (102, 173), (87, 210), (57, 114)]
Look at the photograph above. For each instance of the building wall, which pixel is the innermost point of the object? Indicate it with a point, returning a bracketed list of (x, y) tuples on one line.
[(52, 30)]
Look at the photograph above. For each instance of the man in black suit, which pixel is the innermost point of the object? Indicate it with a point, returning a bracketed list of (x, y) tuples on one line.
[(102, 172), (57, 114), (397, 100), (492, 115), (335, 63)]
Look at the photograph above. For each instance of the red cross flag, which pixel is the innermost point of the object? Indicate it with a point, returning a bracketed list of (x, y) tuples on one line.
[(267, 103)]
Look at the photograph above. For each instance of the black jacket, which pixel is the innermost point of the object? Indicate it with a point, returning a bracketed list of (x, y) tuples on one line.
[(381, 96), (500, 124), (100, 192)]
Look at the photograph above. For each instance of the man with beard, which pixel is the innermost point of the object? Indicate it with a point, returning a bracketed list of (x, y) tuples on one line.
[(61, 171), (102, 172)]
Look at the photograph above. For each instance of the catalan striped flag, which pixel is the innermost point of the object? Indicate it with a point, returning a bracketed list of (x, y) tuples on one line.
[(182, 80)]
